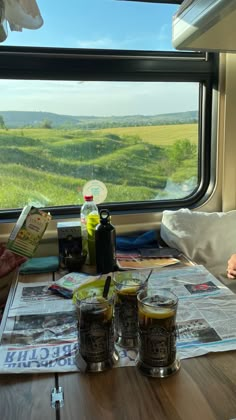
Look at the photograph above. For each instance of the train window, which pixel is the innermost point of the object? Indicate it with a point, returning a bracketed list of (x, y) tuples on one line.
[(129, 120), (100, 24)]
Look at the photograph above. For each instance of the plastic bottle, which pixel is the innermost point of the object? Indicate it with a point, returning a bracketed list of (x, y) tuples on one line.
[(88, 210), (105, 241)]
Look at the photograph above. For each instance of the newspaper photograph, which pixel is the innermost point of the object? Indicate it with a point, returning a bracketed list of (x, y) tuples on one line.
[(188, 282), (36, 298), (41, 331)]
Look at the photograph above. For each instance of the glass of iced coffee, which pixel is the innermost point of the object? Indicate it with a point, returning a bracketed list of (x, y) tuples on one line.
[(127, 286), (157, 333)]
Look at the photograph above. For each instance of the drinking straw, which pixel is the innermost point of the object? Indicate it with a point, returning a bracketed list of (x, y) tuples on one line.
[(148, 276), (106, 287)]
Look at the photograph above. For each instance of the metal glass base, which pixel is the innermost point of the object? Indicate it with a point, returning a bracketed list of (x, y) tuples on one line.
[(158, 372), (128, 343), (96, 366)]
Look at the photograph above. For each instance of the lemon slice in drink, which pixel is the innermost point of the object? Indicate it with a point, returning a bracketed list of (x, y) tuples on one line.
[(92, 288), (156, 312)]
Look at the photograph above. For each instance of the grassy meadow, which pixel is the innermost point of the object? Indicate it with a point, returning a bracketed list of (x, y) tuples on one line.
[(161, 135), (50, 166)]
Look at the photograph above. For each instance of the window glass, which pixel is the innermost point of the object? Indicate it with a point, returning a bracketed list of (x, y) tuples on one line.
[(100, 24), (128, 119), (138, 138)]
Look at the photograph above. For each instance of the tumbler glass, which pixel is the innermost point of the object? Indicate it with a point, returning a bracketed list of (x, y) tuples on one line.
[(96, 334), (157, 333), (127, 285)]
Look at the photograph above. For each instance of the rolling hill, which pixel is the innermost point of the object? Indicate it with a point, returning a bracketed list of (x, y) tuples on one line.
[(21, 119)]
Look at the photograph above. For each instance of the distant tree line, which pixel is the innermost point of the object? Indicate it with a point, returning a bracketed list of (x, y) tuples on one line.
[(95, 123)]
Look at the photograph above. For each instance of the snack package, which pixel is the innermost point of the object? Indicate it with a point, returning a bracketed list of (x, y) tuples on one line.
[(28, 231)]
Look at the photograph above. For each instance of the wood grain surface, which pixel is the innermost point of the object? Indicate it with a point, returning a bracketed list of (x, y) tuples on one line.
[(26, 397), (203, 389)]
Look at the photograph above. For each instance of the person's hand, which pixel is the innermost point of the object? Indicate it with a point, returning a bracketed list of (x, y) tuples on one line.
[(231, 269), (9, 261)]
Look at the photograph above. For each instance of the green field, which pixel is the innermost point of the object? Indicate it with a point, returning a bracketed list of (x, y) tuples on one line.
[(162, 135), (51, 166)]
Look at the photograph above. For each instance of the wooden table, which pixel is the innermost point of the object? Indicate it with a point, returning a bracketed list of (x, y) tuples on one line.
[(203, 389)]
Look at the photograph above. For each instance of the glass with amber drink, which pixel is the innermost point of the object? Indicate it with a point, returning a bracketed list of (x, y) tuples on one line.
[(127, 286), (96, 333), (157, 333)]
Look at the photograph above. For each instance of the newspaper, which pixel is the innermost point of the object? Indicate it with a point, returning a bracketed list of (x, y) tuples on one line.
[(206, 315), (136, 261), (40, 334)]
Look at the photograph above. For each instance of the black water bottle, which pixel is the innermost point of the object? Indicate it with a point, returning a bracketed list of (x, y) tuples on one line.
[(105, 242)]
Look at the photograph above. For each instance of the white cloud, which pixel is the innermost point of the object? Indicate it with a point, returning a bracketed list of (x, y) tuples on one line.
[(109, 43), (96, 43)]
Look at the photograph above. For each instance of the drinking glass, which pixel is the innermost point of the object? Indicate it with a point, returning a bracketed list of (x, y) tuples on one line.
[(96, 334), (127, 285), (157, 333)]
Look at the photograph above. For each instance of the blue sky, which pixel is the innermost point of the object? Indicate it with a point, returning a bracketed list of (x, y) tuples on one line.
[(104, 24), (100, 24)]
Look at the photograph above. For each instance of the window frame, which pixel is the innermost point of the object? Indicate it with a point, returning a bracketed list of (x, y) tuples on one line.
[(27, 63)]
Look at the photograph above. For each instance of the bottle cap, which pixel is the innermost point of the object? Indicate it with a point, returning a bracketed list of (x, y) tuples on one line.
[(88, 197)]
